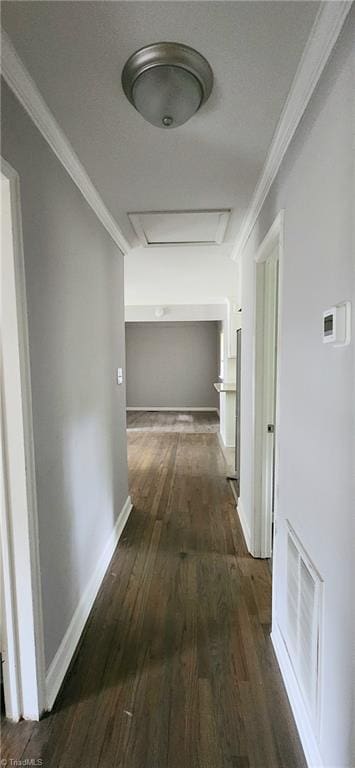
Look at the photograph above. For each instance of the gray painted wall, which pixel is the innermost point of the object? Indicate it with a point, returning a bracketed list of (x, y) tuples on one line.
[(172, 364), (74, 283), (315, 187)]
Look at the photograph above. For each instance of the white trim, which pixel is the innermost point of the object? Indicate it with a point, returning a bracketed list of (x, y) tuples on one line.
[(9, 633), (169, 408), (137, 224), (185, 313), (20, 468), (260, 527), (26, 91), (66, 650), (324, 34), (227, 445), (314, 712), (267, 245), (137, 220), (258, 535), (266, 303), (244, 524), (228, 453), (308, 741), (222, 226)]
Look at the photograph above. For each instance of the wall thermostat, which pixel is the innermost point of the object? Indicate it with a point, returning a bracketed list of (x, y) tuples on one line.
[(336, 324)]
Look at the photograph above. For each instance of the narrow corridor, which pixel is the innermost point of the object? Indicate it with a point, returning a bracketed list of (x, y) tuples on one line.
[(175, 668)]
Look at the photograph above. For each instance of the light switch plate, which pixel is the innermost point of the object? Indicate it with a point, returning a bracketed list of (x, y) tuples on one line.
[(119, 375)]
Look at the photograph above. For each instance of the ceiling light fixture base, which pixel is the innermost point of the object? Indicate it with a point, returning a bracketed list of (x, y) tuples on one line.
[(167, 83)]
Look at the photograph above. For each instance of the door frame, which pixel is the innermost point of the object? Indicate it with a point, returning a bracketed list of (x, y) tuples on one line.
[(24, 676), (270, 250)]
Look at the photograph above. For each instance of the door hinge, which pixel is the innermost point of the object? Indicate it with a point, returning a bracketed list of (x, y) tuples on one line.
[(271, 428)]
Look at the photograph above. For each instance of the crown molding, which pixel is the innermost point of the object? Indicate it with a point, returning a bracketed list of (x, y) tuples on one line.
[(25, 89), (324, 34)]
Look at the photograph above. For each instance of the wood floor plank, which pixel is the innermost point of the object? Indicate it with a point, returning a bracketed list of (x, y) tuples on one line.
[(175, 668), (208, 742)]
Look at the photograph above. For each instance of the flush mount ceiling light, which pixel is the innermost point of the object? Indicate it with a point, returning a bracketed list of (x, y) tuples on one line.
[(167, 83)]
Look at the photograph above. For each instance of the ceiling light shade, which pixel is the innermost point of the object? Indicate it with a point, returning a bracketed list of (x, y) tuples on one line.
[(167, 83)]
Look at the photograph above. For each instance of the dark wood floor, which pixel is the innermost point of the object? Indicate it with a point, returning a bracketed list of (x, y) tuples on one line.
[(176, 668)]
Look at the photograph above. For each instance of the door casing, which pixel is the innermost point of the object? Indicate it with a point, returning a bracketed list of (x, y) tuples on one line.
[(268, 277), (24, 664)]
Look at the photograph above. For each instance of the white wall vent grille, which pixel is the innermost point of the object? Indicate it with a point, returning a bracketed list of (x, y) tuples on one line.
[(304, 604)]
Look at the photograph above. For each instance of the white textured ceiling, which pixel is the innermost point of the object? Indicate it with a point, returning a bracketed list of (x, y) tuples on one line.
[(76, 50)]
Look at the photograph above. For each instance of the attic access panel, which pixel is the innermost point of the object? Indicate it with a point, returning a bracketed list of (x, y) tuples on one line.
[(161, 228)]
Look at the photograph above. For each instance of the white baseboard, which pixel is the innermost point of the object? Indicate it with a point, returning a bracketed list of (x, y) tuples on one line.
[(65, 652), (303, 725), (168, 408), (228, 453), (245, 525), (222, 440), (227, 445)]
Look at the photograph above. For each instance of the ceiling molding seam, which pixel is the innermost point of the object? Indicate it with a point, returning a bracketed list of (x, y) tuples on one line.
[(25, 89), (324, 34)]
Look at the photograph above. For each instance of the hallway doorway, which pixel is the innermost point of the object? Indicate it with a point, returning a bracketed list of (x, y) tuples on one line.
[(267, 328), (21, 617)]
